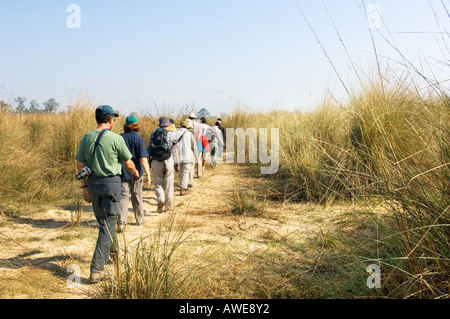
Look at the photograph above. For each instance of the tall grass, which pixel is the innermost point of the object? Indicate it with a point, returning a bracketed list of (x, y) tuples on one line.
[(387, 146), (38, 152), (150, 267)]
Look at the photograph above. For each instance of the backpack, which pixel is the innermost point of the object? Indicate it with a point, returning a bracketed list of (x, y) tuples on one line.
[(158, 148)]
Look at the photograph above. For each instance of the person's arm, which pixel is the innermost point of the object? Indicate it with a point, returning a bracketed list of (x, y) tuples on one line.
[(194, 148), (144, 163), (130, 167), (220, 136), (125, 156), (83, 181), (173, 143), (175, 153)]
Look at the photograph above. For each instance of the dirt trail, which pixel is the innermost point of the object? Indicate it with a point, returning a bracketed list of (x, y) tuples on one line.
[(37, 249)]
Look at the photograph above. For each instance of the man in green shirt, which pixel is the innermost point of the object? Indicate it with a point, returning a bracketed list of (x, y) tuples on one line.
[(102, 187)]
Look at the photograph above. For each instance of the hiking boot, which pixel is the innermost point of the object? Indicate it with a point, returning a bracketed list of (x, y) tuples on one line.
[(161, 207), (97, 277), (190, 185), (184, 192)]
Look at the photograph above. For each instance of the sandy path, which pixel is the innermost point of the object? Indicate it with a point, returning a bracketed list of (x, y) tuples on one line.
[(37, 249)]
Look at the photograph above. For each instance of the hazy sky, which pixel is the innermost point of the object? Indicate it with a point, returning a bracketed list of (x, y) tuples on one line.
[(137, 54)]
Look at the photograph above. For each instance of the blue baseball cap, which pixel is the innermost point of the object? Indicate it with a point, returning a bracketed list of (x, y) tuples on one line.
[(105, 110), (131, 120)]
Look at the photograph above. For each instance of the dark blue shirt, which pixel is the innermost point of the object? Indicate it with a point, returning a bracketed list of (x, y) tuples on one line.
[(136, 145)]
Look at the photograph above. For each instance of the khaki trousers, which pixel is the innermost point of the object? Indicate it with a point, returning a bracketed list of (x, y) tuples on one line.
[(186, 174), (163, 178), (133, 188)]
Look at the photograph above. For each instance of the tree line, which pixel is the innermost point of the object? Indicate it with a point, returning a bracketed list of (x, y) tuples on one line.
[(49, 106)]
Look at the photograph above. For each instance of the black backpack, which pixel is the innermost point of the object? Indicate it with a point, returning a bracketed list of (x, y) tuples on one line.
[(158, 148)]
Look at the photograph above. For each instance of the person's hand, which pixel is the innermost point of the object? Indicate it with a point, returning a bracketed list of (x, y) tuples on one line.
[(147, 183), (135, 174), (86, 196)]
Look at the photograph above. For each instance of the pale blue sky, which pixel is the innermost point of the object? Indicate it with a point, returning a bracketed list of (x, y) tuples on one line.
[(137, 54)]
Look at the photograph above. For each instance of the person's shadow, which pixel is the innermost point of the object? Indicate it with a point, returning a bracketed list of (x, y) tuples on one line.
[(46, 263)]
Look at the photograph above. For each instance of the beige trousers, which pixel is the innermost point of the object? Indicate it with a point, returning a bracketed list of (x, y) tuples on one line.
[(133, 188), (163, 178), (186, 174)]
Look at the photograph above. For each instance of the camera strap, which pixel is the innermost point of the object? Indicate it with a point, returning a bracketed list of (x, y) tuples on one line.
[(97, 141), (99, 137)]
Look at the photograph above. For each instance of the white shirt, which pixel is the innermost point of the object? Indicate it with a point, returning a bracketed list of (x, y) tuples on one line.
[(186, 147), (216, 136), (206, 129)]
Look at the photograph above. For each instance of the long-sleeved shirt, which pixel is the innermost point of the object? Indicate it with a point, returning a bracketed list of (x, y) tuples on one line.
[(187, 147), (215, 136)]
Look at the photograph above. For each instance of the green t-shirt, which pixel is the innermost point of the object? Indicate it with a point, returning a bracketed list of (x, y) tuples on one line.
[(109, 154)]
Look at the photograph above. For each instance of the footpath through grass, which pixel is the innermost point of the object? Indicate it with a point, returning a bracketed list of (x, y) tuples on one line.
[(227, 239)]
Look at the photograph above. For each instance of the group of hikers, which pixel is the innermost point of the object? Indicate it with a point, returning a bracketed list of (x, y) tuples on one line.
[(111, 169), (179, 149)]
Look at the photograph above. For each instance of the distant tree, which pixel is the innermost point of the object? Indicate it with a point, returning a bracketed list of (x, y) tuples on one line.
[(34, 107), (5, 107), (20, 108), (203, 113), (50, 106)]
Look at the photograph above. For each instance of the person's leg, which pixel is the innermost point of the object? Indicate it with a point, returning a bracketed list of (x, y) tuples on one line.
[(198, 160), (185, 170), (191, 175), (204, 161), (136, 200), (200, 164), (125, 192), (97, 262), (106, 195), (169, 178), (207, 149), (213, 148), (158, 180)]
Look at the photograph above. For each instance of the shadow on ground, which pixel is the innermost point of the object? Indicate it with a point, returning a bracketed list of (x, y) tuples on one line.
[(45, 263)]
